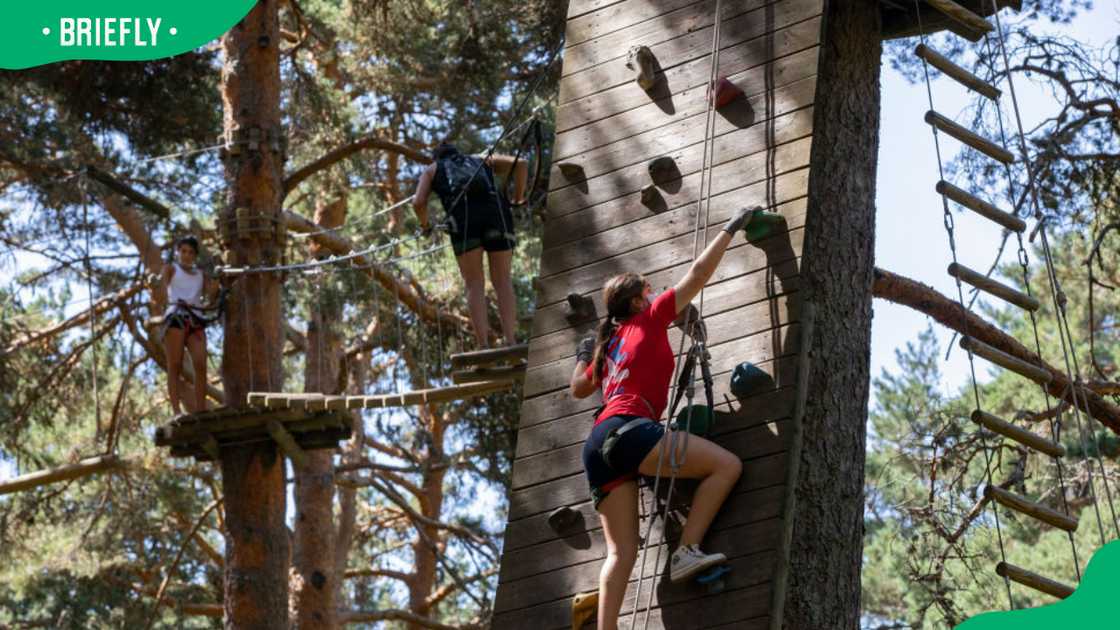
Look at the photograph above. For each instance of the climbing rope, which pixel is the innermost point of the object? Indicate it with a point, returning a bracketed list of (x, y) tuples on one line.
[(674, 443), (949, 231), (1068, 355), (1024, 264)]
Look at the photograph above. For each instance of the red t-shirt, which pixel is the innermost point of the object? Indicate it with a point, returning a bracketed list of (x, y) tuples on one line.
[(639, 362)]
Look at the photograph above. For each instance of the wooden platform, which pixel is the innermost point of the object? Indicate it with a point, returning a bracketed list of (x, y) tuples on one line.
[(202, 435), (492, 356), (597, 227)]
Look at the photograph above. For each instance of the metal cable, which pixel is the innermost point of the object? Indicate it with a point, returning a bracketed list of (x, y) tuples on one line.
[(1068, 355), (1024, 264)]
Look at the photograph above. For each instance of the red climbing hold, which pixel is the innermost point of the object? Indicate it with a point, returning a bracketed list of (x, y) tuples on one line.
[(723, 92)]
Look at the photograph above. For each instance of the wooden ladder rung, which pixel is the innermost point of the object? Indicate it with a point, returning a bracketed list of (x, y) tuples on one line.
[(981, 207), (1015, 502), (998, 289), (489, 356), (1033, 580), (971, 138), (953, 71), (1030, 439), (1002, 359), (973, 26)]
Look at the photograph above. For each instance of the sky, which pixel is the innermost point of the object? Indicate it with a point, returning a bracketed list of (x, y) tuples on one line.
[(910, 237)]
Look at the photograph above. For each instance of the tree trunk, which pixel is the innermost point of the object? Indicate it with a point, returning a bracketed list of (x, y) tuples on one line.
[(823, 589), (315, 580), (257, 546), (431, 506)]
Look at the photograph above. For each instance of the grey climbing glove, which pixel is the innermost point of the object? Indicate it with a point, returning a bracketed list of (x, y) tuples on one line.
[(739, 220), (585, 351)]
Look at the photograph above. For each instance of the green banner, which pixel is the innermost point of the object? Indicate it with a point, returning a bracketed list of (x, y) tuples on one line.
[(36, 33), (1090, 607)]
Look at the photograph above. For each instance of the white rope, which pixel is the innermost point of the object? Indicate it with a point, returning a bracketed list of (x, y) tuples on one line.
[(671, 443)]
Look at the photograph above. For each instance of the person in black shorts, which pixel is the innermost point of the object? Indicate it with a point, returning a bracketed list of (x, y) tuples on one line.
[(479, 219)]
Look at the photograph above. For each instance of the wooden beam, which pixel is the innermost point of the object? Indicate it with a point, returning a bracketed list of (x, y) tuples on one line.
[(286, 443), (83, 468), (998, 289), (981, 207), (1033, 580), (487, 374), (972, 139), (1017, 503), (1004, 360), (1027, 438), (973, 26), (959, 74), (490, 356)]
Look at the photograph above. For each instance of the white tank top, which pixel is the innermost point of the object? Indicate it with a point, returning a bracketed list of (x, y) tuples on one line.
[(185, 287)]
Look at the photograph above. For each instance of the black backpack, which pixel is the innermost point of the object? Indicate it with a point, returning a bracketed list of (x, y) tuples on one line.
[(466, 174)]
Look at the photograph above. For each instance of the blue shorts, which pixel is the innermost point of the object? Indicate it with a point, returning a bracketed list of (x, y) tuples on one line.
[(625, 457)]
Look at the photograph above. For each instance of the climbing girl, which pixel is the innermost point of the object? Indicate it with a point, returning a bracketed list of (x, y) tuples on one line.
[(479, 219), (183, 285), (632, 361)]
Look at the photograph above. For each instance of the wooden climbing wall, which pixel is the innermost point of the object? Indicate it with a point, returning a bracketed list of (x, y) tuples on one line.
[(597, 226)]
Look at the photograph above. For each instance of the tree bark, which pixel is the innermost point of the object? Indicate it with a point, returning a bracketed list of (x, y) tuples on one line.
[(823, 588), (257, 546), (315, 580)]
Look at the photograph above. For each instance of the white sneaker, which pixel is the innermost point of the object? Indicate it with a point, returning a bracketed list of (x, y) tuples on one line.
[(688, 560)]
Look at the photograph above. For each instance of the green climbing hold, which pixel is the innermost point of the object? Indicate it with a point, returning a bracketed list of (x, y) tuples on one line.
[(701, 420), (763, 224)]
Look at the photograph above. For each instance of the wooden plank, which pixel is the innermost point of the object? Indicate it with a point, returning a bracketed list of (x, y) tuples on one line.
[(1033, 580), (489, 374), (555, 553), (1004, 360), (489, 356), (734, 169), (696, 611), (720, 318), (664, 255), (600, 63), (757, 121), (760, 331), (577, 8), (770, 192), (560, 403), (998, 289), (981, 207), (626, 105), (599, 22), (734, 274), (1033, 509), (249, 418), (748, 570), (957, 73), (970, 138), (82, 468), (557, 433), (1021, 435), (755, 441), (657, 228), (757, 473)]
